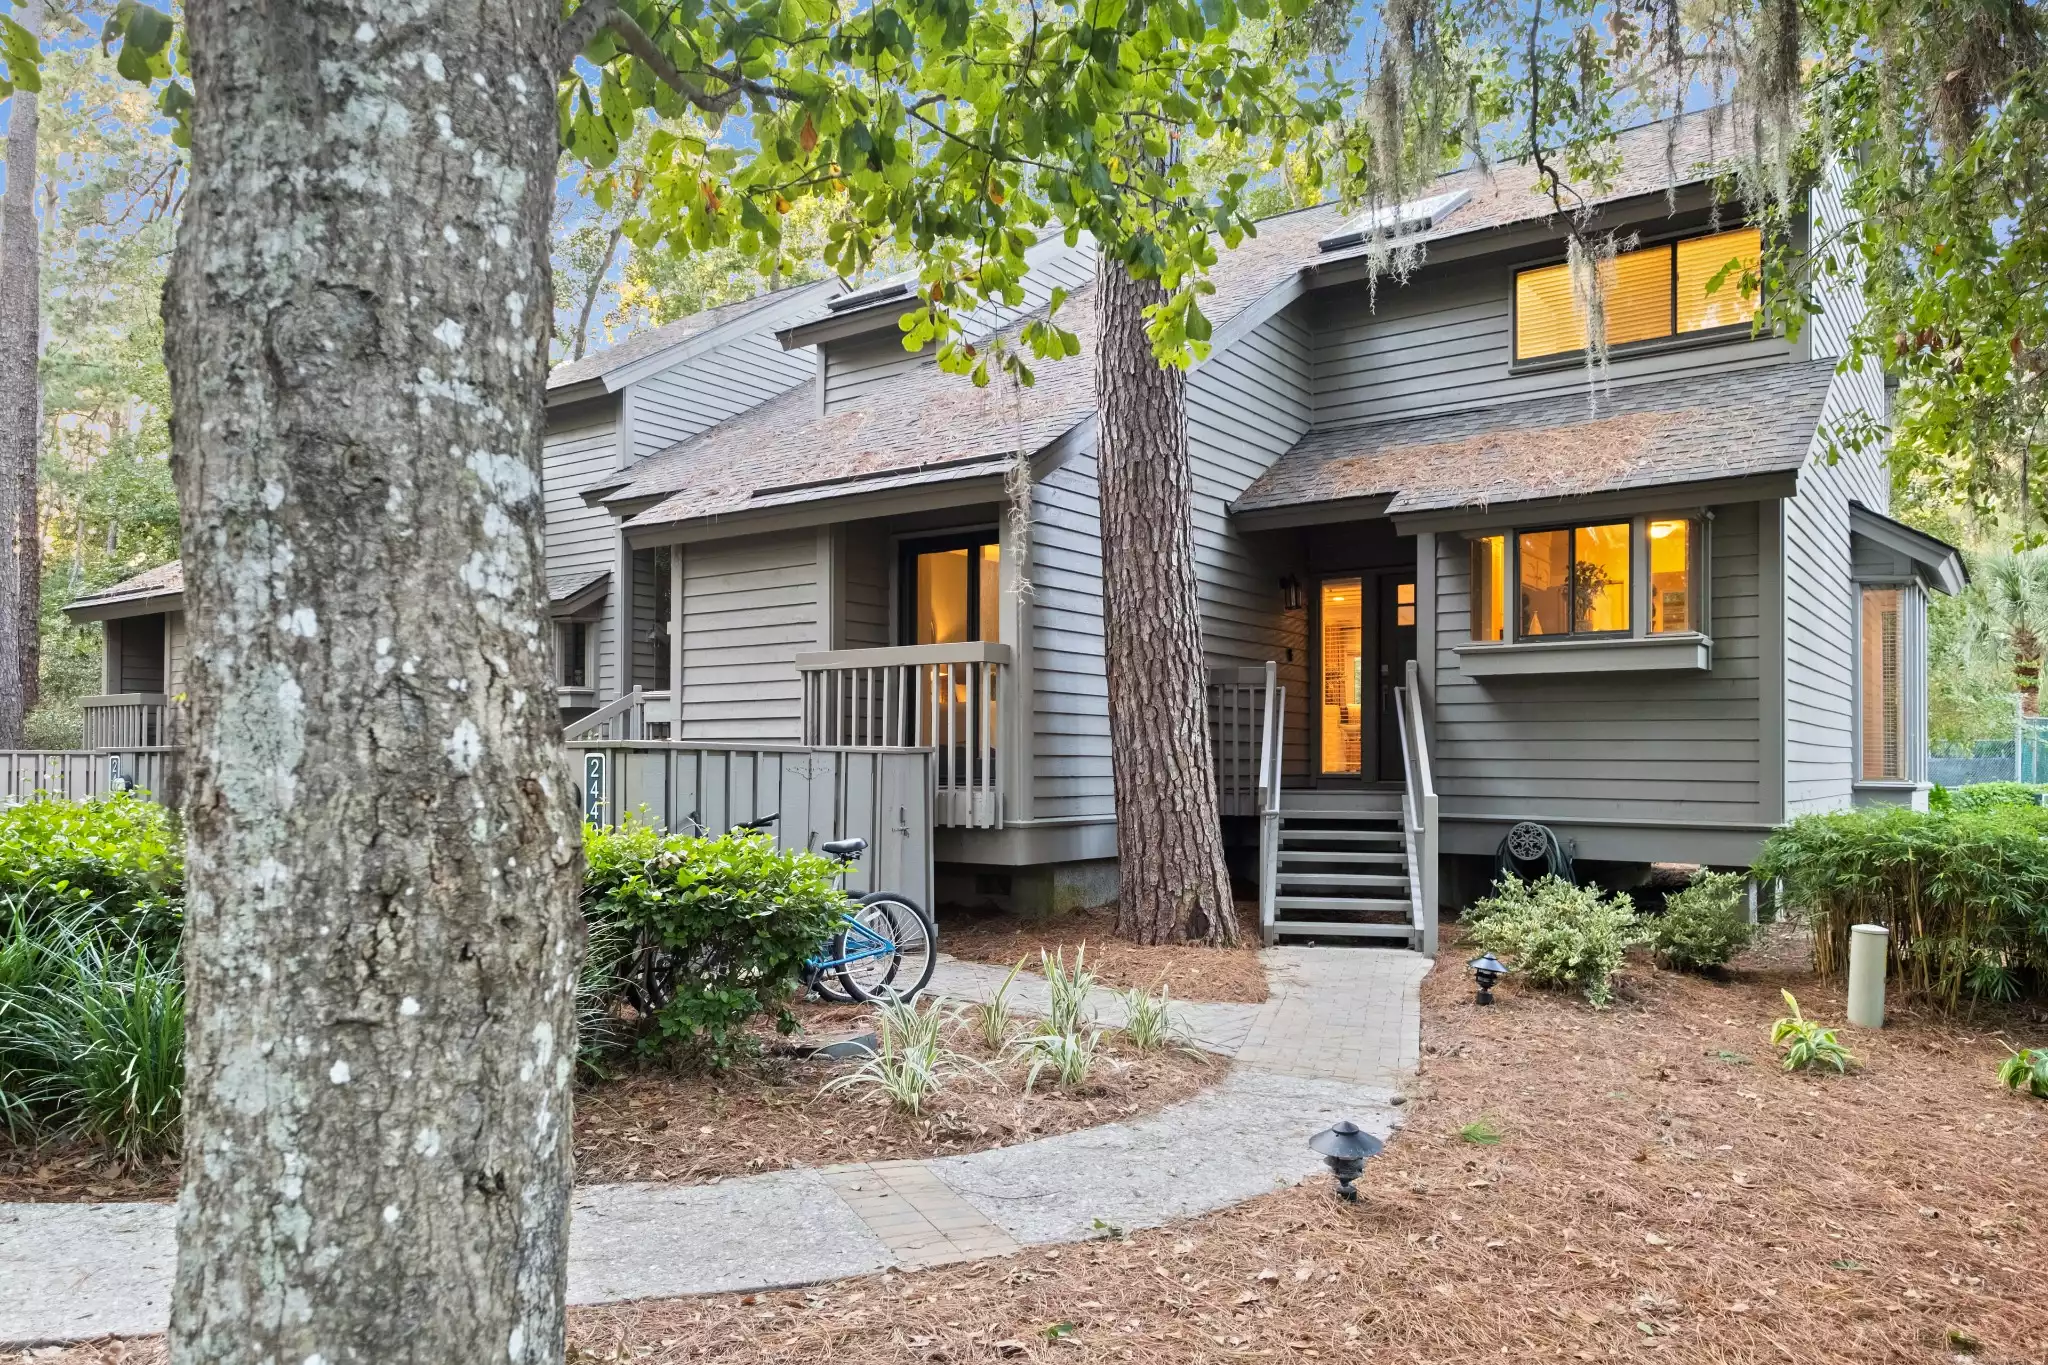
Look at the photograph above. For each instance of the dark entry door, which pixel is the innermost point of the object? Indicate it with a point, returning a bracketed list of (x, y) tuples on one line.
[(1396, 618)]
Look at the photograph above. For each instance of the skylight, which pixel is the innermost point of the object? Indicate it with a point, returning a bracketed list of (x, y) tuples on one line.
[(1416, 215), (874, 293)]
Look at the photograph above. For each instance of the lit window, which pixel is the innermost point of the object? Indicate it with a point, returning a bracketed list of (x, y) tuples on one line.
[(1573, 581), (574, 643), (1404, 604), (1670, 576), (1885, 716), (953, 592), (1646, 295), (1343, 698), (1489, 587), (1701, 261)]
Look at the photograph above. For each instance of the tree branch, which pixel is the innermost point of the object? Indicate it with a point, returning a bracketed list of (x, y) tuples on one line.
[(605, 16)]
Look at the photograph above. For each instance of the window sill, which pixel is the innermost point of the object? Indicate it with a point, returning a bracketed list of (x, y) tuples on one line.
[(1686, 341), (1889, 791), (1688, 653)]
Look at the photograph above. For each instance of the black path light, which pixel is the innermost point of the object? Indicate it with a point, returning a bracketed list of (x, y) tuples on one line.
[(1487, 971), (1344, 1149)]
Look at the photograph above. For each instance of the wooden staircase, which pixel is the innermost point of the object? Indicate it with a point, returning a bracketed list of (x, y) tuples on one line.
[(1341, 868)]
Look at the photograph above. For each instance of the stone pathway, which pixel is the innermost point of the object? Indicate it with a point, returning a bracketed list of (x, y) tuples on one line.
[(1336, 1040)]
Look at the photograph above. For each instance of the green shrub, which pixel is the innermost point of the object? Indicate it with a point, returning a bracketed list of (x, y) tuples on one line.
[(120, 856), (1807, 1043), (2026, 1069), (1963, 892), (1985, 796), (1556, 934), (1705, 924), (733, 919)]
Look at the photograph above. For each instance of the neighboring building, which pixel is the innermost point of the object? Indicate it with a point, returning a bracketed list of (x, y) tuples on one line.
[(1647, 613)]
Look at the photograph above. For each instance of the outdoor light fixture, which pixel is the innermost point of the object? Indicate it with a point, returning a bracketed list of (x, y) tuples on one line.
[(1486, 971), (1344, 1149), (1290, 593)]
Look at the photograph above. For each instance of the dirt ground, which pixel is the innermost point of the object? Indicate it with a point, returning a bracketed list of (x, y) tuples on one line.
[(685, 1129), (1189, 973), (1646, 1184)]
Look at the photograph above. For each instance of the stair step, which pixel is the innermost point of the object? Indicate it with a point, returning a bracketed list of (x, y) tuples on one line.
[(1332, 855), (1297, 834), (1391, 881), (1379, 905), (1310, 929)]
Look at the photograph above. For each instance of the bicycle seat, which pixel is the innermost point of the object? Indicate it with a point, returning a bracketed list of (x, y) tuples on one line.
[(845, 850)]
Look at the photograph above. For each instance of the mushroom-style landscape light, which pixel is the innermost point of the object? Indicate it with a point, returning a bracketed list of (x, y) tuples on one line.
[(1344, 1149), (1487, 971)]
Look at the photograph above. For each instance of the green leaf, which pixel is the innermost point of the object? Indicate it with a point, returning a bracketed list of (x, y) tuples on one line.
[(20, 59)]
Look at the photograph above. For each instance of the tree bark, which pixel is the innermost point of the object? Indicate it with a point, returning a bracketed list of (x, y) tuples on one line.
[(1173, 886), (20, 406), (383, 852)]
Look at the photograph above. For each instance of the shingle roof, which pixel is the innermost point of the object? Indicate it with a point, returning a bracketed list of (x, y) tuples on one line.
[(162, 581), (563, 586), (926, 426), (641, 345), (1708, 426)]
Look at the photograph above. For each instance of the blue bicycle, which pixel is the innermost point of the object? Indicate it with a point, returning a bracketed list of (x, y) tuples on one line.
[(884, 949)]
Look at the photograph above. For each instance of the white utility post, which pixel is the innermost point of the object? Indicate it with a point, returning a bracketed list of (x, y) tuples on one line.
[(1867, 945)]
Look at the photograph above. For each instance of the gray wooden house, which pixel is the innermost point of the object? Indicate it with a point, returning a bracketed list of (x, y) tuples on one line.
[(1450, 581)]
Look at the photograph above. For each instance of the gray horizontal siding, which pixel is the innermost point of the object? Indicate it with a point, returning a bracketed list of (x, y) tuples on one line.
[(750, 606), (1820, 601), (1070, 770), (686, 399), (1443, 343), (1247, 405), (1673, 747), (178, 651), (581, 538), (864, 564), (861, 367)]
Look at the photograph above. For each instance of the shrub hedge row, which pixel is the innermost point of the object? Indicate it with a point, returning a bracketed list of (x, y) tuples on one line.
[(92, 1001), (1963, 890)]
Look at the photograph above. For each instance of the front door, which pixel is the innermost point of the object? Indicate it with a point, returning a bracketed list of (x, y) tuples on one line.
[(1343, 695), (1396, 615)]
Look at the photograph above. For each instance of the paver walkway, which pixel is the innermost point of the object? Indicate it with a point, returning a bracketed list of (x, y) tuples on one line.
[(1335, 1040)]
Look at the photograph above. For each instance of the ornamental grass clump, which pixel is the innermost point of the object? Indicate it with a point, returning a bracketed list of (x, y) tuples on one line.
[(1149, 1021), (910, 1063), (1071, 1057), (1556, 934), (1964, 894), (1704, 925), (992, 1017), (1068, 989)]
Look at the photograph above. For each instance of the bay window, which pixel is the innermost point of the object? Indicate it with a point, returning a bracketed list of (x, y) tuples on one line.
[(1611, 579), (1890, 683)]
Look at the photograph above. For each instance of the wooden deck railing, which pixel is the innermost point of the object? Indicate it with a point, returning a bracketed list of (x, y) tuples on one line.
[(126, 720), (1241, 709), (815, 794), (950, 699)]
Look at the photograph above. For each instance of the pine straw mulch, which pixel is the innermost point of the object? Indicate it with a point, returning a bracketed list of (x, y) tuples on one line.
[(1189, 972), (1661, 1191), (769, 1115)]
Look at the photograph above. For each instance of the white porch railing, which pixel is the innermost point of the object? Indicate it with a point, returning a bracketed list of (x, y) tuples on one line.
[(1419, 817), (951, 699), (621, 718), (126, 720)]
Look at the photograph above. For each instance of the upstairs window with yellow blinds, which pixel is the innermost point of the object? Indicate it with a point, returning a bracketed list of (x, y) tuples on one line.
[(1650, 294)]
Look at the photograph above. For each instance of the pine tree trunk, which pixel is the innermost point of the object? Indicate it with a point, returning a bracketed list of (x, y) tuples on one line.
[(383, 859), (20, 406), (1173, 886)]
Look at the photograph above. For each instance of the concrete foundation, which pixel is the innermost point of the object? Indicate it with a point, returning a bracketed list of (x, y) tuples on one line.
[(1037, 891)]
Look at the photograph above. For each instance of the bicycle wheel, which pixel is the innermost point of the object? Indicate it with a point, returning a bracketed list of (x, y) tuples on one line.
[(890, 948)]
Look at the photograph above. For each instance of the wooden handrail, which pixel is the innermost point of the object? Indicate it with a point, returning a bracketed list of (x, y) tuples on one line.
[(969, 652), (610, 711), (1419, 813)]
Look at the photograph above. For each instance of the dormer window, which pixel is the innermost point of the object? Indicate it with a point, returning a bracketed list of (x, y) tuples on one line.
[(1649, 295)]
